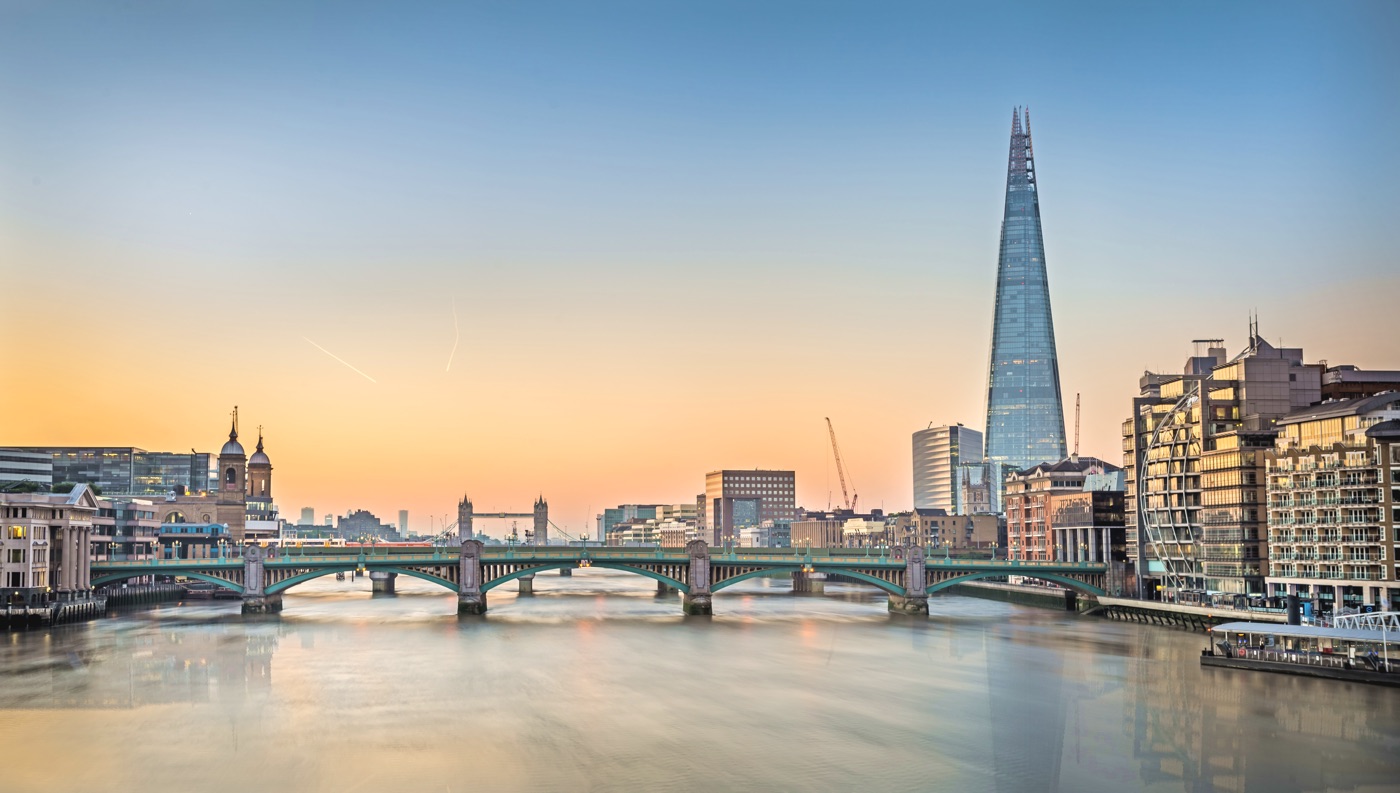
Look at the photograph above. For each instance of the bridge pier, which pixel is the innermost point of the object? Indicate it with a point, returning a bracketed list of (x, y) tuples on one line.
[(696, 602), (915, 597), (527, 584), (566, 572), (470, 598), (382, 583), (901, 604), (262, 604), (663, 589), (808, 583), (255, 597)]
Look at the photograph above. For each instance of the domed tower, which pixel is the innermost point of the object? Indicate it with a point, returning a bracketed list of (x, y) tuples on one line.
[(233, 478), (259, 472)]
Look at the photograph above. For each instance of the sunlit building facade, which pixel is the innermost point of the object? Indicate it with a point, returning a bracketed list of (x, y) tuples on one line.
[(1194, 456), (1025, 417), (1332, 488)]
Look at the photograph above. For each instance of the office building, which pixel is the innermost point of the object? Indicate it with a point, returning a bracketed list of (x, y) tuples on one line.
[(46, 544), (403, 524), (362, 523), (1333, 482), (308, 517), (130, 471), (734, 499), (17, 465), (1194, 463), (940, 454), (936, 530), (1352, 382), (1039, 496), (1025, 418)]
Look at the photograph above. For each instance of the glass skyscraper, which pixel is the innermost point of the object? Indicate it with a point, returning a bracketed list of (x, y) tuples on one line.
[(1025, 418)]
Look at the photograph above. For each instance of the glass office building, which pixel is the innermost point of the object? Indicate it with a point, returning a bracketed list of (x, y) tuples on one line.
[(127, 470), (1025, 417)]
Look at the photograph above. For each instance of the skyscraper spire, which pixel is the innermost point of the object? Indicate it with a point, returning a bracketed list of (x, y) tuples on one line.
[(1025, 417)]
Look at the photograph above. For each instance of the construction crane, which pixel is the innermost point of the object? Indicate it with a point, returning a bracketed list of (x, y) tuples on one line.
[(1076, 426), (852, 501)]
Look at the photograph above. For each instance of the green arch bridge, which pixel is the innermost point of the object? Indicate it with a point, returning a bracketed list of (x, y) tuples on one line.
[(697, 571)]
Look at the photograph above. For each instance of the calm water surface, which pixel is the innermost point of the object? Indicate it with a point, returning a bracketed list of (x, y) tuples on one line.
[(595, 683)]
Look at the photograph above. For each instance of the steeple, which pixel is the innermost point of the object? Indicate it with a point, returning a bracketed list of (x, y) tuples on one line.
[(233, 432), (1025, 417)]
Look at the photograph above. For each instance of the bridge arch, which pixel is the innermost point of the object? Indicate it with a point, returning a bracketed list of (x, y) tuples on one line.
[(112, 578), (665, 579), (865, 578), (1079, 586), (301, 578)]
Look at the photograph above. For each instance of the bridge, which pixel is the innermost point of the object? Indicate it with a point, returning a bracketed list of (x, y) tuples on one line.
[(697, 571)]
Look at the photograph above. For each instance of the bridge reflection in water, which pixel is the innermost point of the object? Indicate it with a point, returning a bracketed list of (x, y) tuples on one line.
[(696, 571)]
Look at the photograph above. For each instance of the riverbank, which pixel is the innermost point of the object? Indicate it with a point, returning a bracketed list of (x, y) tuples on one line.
[(54, 613)]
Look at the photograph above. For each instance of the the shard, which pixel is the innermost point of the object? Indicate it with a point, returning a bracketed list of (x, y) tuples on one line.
[(1025, 417)]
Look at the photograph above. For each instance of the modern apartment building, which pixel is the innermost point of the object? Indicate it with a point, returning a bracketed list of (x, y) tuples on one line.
[(1193, 452), (940, 454), (1333, 495), (736, 498)]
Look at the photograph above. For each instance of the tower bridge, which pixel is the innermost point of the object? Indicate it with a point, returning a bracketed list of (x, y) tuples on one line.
[(697, 571)]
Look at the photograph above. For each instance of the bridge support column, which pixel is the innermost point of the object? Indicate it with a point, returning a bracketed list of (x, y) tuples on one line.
[(663, 589), (470, 598), (808, 583), (915, 597), (697, 600), (566, 572), (382, 583), (255, 597), (527, 584)]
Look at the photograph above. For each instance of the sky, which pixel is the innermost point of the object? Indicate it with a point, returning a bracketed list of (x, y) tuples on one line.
[(595, 250)]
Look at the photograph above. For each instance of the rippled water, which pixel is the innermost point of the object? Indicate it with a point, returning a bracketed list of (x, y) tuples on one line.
[(595, 683)]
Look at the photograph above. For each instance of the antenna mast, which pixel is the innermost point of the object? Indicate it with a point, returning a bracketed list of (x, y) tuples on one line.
[(1076, 426)]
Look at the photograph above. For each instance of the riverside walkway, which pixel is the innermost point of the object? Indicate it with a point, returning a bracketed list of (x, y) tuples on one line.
[(697, 571)]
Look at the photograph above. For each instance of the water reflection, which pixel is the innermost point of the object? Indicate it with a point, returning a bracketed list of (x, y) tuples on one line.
[(595, 682)]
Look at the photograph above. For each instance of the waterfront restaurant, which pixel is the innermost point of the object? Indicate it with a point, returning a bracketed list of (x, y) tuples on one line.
[(1361, 654)]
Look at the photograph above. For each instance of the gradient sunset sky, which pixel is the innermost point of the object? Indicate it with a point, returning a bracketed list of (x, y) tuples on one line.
[(675, 235)]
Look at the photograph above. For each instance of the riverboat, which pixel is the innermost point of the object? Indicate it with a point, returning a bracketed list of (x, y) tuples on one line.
[(1360, 655)]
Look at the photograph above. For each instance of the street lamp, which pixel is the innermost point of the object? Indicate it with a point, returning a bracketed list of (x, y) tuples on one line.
[(177, 549), (1083, 551)]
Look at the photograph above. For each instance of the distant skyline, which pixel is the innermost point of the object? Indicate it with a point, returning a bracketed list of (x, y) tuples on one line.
[(597, 250)]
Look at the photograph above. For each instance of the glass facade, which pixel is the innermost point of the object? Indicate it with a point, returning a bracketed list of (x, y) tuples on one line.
[(1025, 417)]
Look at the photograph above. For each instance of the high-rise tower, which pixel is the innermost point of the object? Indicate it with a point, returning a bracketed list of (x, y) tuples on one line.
[(1025, 418)]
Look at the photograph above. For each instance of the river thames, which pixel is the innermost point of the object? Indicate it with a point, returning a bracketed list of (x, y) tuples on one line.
[(596, 683)]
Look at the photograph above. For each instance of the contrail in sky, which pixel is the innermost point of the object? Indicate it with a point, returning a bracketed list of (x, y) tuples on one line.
[(458, 337), (342, 360)]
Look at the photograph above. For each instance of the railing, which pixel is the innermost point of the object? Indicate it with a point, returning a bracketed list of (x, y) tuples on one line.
[(1305, 658)]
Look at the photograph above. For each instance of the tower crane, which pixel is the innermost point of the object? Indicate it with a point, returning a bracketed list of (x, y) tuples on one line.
[(851, 500)]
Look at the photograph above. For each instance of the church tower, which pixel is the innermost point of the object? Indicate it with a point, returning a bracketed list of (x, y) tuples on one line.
[(259, 472), (232, 494)]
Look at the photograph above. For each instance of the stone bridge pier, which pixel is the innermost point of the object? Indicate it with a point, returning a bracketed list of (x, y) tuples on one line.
[(808, 583), (527, 584), (382, 583), (255, 597), (698, 600), (470, 598), (915, 597)]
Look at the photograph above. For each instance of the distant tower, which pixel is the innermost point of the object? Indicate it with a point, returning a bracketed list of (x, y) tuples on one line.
[(464, 519), (403, 523), (541, 521), (230, 504), (1025, 418), (260, 472)]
